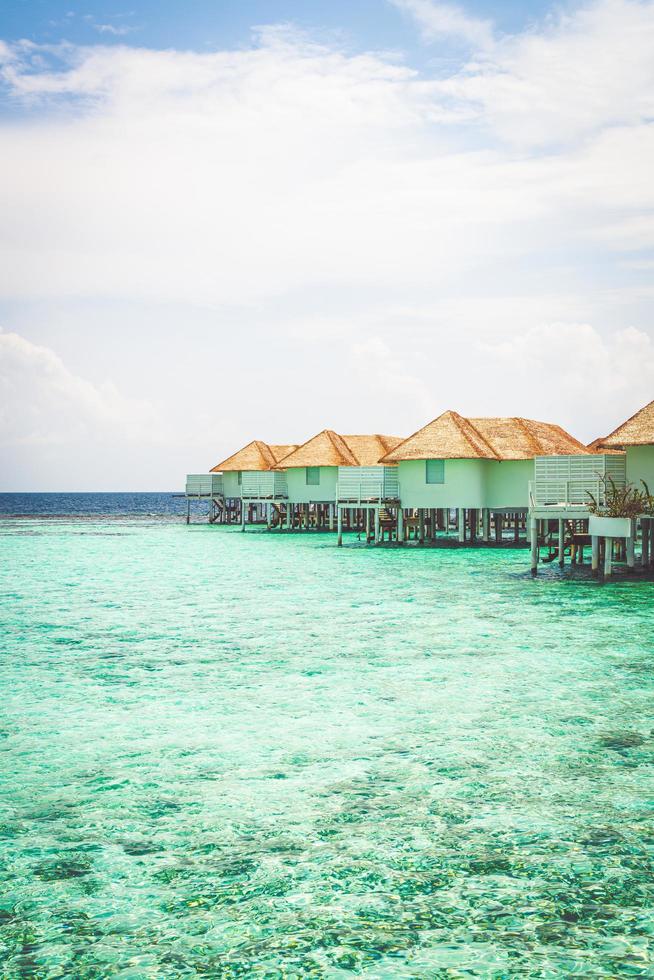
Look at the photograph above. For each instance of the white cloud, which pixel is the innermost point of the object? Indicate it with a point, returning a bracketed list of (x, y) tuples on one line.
[(119, 30), (438, 20), (43, 403), (571, 372), (584, 71)]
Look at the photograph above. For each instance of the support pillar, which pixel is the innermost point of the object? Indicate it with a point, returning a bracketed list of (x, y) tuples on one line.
[(499, 521), (400, 525), (474, 522), (534, 546), (462, 524), (561, 542), (421, 524), (485, 524), (339, 524), (645, 527), (377, 526), (608, 557), (629, 548), (331, 516), (243, 515), (594, 554), (188, 510)]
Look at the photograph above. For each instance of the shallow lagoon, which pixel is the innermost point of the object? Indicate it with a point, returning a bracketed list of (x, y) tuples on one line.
[(234, 755)]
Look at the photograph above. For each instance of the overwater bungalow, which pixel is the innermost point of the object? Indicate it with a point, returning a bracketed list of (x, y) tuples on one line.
[(636, 438), (330, 469), (481, 468), (254, 489)]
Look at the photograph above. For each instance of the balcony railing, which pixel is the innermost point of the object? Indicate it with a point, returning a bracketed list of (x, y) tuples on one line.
[(367, 484), (266, 485), (568, 481), (204, 485)]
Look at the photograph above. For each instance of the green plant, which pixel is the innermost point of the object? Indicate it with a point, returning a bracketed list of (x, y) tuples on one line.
[(625, 501)]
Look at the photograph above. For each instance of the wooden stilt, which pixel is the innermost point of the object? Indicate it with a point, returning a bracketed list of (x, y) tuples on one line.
[(188, 510), (485, 524), (645, 527), (499, 523), (534, 546), (339, 523), (561, 542), (608, 557), (400, 525), (377, 526), (461, 524), (629, 547), (421, 525), (594, 553)]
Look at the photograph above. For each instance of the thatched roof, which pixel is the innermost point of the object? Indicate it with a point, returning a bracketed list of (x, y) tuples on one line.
[(597, 446), (329, 448), (451, 436), (636, 431), (256, 455)]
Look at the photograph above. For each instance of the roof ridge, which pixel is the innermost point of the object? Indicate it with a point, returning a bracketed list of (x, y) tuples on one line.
[(461, 422), (340, 443), (535, 443), (627, 421)]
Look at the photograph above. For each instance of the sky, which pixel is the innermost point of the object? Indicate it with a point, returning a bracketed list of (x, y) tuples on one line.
[(231, 220)]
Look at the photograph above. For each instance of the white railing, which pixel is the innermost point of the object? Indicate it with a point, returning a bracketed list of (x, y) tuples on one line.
[(366, 484), (204, 485), (568, 481), (265, 485)]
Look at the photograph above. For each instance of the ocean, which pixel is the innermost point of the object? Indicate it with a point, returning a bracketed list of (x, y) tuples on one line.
[(238, 755)]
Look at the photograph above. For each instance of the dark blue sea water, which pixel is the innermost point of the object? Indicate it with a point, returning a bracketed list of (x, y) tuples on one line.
[(156, 506)]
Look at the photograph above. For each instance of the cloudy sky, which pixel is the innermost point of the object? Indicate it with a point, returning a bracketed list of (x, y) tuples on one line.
[(233, 219)]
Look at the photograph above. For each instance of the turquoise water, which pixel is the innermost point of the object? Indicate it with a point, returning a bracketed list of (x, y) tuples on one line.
[(229, 755)]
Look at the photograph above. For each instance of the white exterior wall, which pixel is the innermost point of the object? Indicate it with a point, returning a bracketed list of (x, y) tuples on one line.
[(464, 486), (231, 484), (640, 466), (300, 493)]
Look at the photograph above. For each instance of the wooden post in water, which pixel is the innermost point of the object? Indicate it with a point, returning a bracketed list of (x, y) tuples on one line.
[(377, 526), (400, 525), (339, 525), (188, 510), (485, 524), (534, 546), (499, 522), (594, 554), (630, 550), (561, 542), (645, 541), (608, 557), (462, 524), (421, 525)]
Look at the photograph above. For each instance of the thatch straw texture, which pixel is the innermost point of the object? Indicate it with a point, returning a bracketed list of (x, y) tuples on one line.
[(636, 431), (328, 448), (451, 436), (597, 446), (255, 456)]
